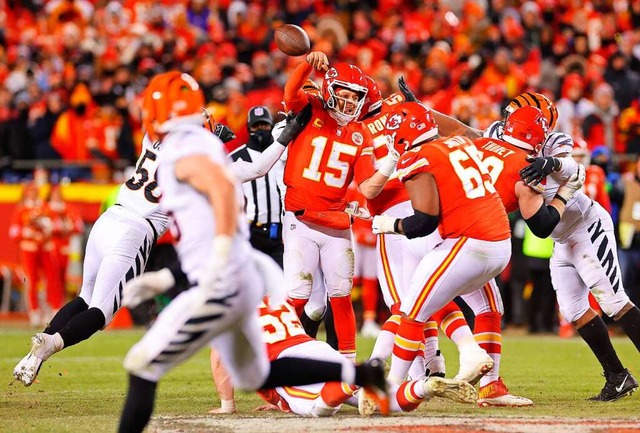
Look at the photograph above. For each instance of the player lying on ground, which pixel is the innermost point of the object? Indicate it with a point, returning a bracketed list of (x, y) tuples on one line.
[(285, 337)]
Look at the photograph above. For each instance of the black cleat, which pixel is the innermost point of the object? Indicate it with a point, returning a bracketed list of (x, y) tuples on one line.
[(370, 376), (618, 385)]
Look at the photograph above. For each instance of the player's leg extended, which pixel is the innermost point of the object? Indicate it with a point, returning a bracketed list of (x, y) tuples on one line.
[(596, 260), (184, 327), (316, 308), (572, 295), (301, 260), (337, 263)]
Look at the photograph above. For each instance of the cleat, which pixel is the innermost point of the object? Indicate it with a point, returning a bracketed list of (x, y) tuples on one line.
[(496, 394), (374, 391), (617, 386), (42, 347), (435, 367), (456, 390), (370, 329), (473, 365)]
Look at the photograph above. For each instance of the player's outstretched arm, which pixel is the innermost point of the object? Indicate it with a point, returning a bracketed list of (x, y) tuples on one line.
[(447, 125), (283, 134)]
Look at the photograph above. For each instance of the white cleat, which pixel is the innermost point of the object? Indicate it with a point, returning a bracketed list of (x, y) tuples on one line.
[(496, 394), (473, 365), (367, 404), (370, 329), (42, 347), (436, 366), (456, 390)]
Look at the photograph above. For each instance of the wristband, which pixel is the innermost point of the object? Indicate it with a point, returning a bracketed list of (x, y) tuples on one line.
[(396, 226), (559, 197)]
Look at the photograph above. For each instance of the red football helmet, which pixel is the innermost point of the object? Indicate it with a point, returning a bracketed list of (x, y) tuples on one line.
[(373, 101), (408, 125), (526, 128), (170, 97), (349, 77)]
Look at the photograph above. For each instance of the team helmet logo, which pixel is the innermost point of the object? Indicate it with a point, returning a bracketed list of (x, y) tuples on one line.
[(394, 122)]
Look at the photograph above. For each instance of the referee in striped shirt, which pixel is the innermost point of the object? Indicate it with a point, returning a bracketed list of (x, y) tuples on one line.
[(262, 196)]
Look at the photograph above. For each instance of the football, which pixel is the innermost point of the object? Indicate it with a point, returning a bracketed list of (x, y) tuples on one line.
[(292, 40)]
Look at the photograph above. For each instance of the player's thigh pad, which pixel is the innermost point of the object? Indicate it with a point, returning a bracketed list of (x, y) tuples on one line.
[(337, 261), (301, 256), (571, 292), (595, 257), (455, 267), (486, 299)]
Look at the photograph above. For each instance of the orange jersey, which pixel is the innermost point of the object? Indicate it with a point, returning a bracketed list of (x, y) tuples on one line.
[(469, 203), (320, 162), (504, 162), (281, 328), (394, 191), (31, 227)]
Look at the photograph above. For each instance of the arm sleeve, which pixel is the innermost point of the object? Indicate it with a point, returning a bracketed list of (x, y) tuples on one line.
[(544, 221), (294, 97), (246, 171)]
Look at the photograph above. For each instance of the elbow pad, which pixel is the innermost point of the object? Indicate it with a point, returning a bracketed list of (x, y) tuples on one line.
[(544, 221), (419, 224)]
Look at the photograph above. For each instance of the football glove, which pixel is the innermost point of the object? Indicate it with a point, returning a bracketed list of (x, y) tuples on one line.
[(224, 133), (404, 88), (295, 125), (389, 163), (146, 286), (538, 169), (573, 184), (383, 224), (354, 209)]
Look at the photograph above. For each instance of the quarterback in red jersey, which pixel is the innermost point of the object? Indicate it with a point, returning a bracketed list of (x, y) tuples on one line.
[(319, 168)]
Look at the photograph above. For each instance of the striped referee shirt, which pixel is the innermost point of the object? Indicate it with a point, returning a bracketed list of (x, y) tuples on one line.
[(262, 196)]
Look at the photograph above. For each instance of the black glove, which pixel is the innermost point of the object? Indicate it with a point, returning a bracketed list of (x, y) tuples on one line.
[(538, 169), (408, 94), (224, 133), (295, 125)]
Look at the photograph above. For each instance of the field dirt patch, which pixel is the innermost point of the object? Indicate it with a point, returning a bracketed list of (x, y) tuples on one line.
[(393, 424)]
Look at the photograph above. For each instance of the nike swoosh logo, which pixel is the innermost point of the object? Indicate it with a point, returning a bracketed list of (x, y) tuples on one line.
[(619, 388)]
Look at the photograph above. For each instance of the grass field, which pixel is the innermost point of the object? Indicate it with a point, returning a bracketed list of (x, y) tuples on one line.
[(82, 390)]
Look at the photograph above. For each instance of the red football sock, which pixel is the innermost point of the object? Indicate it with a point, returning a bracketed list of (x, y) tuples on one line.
[(410, 395), (488, 334), (335, 393), (299, 304), (369, 298), (345, 324)]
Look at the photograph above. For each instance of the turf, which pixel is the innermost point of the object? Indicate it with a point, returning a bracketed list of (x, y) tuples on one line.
[(83, 387)]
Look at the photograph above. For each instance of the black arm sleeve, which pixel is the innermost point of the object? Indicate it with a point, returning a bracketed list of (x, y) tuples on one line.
[(419, 224), (544, 221)]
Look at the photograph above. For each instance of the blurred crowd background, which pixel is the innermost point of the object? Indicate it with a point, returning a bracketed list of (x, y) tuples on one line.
[(72, 73)]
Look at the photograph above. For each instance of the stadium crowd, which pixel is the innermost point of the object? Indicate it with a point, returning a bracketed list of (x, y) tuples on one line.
[(72, 73)]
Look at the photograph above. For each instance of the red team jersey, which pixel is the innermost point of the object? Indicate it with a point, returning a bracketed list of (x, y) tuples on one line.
[(504, 163), (281, 328), (469, 203), (394, 191), (320, 162)]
